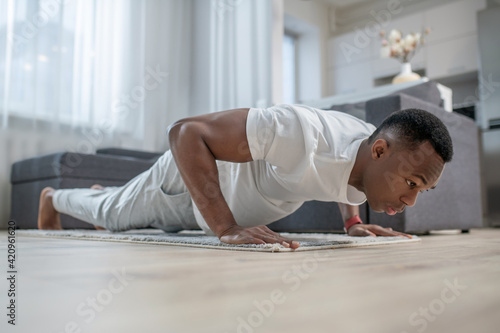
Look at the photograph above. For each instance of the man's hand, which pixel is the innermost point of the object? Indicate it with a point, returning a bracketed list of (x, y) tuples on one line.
[(255, 235), (373, 230)]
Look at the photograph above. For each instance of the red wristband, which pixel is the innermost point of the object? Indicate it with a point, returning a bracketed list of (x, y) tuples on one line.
[(352, 221)]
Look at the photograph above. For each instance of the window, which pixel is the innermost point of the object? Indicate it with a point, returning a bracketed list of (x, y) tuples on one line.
[(37, 40), (289, 68), (61, 61)]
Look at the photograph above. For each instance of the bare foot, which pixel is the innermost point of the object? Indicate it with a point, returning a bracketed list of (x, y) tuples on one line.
[(48, 217), (97, 187)]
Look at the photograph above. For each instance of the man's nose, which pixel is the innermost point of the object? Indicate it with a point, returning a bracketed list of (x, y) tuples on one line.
[(411, 198)]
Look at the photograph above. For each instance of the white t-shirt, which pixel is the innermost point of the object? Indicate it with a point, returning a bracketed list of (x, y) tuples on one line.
[(299, 154)]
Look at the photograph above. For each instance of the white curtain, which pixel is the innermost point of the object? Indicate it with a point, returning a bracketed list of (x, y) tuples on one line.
[(78, 75), (93, 64), (232, 62)]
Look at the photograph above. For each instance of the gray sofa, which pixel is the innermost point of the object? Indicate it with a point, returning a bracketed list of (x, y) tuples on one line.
[(108, 167), (454, 204)]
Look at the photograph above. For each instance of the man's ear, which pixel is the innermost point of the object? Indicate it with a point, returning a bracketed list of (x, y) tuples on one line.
[(379, 148)]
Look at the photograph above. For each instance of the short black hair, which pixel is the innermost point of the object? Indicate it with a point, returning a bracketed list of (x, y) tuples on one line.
[(414, 127)]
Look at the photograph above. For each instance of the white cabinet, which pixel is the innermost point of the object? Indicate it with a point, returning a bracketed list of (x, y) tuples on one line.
[(350, 79), (452, 57), (452, 20)]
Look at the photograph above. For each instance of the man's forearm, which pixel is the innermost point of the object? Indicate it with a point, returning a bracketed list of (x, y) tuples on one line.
[(348, 211), (198, 168)]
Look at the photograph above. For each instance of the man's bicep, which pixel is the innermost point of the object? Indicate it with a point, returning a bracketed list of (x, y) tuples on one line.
[(225, 135)]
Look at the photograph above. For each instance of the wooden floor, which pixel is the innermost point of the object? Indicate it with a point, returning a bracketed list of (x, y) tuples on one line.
[(446, 283)]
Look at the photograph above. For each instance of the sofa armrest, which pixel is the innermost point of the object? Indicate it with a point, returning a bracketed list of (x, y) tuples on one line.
[(76, 165)]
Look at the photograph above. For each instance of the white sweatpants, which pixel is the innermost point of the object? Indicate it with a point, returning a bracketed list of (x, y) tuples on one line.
[(155, 198)]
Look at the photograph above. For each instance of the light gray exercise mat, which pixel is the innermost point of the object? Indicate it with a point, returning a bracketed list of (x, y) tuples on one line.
[(308, 242)]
